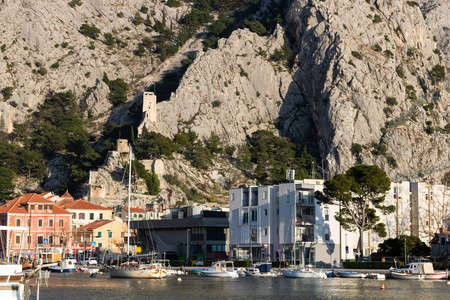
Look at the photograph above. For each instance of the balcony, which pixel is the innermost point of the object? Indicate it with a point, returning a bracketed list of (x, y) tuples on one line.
[(306, 219), (305, 238)]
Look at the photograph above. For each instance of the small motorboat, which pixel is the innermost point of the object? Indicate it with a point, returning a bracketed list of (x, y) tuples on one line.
[(67, 265), (378, 276), (304, 273), (261, 269), (220, 269), (352, 275), (417, 268), (407, 276)]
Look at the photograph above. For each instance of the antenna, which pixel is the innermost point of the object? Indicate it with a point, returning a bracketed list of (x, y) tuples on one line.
[(290, 175)]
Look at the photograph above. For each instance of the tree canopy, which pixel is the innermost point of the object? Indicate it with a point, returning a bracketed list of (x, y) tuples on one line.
[(360, 191), (396, 247)]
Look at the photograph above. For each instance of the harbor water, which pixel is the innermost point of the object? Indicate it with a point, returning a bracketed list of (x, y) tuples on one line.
[(81, 286)]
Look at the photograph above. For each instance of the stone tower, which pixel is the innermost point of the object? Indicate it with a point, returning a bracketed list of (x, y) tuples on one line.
[(148, 110)]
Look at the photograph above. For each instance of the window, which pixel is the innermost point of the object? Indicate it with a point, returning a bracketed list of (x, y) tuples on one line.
[(50, 223), (74, 215), (134, 216), (81, 216), (265, 231), (40, 239), (254, 216), (40, 207), (110, 234), (288, 196), (245, 217), (140, 216), (33, 207), (101, 216), (48, 208), (50, 240), (17, 239), (99, 234), (40, 222), (61, 223), (265, 211), (232, 197), (327, 236), (278, 212), (326, 214), (277, 231), (18, 222), (100, 245), (91, 216), (265, 195)]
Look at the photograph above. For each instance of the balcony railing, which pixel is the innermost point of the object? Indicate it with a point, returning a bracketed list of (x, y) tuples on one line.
[(305, 238), (306, 219)]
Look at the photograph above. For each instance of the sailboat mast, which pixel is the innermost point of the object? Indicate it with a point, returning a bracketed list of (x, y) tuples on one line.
[(129, 208)]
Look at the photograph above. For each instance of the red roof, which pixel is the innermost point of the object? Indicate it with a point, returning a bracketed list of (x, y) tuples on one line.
[(67, 196), (20, 205), (81, 204), (94, 225), (135, 209)]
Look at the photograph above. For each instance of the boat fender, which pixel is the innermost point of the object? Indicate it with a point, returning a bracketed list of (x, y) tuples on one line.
[(179, 279), (382, 287)]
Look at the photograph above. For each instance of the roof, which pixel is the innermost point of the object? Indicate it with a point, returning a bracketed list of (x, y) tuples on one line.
[(81, 204), (135, 209), (94, 225), (64, 202), (67, 196), (19, 205)]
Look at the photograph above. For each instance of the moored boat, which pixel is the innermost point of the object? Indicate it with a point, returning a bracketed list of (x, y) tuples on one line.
[(419, 268), (261, 269), (304, 273), (376, 276), (352, 275), (67, 265), (144, 271), (220, 269)]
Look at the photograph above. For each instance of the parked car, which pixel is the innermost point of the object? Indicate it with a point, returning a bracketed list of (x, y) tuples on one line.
[(199, 262), (446, 261)]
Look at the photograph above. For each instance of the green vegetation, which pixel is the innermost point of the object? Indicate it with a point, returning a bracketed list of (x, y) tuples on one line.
[(356, 149), (360, 191), (391, 101), (399, 72), (438, 73), (90, 31), (377, 48), (74, 3), (388, 53), (152, 145), (356, 54), (271, 156), (411, 93), (413, 3), (7, 92), (55, 65), (173, 3), (109, 39), (255, 26), (377, 19), (283, 54), (42, 71), (118, 90), (137, 20), (151, 180), (396, 247)]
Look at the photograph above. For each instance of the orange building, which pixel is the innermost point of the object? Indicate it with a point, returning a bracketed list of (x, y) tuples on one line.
[(48, 225)]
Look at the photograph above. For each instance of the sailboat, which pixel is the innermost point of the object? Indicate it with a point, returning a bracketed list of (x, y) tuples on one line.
[(153, 270), (298, 272), (14, 284)]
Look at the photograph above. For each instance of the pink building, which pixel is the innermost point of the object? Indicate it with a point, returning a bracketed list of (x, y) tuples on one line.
[(48, 225)]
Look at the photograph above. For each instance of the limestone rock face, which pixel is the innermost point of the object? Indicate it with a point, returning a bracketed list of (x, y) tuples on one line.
[(233, 91), (350, 54), (38, 35)]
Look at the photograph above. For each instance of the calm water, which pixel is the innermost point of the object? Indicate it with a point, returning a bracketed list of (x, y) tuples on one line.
[(81, 286)]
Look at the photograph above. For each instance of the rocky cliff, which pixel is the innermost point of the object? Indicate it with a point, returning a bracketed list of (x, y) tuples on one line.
[(363, 79), (364, 85)]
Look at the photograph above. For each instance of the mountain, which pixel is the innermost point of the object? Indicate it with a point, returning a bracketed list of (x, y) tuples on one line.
[(360, 81)]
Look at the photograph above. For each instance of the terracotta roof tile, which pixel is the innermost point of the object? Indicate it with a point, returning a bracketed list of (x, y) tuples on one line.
[(135, 209), (18, 205), (81, 204), (94, 225)]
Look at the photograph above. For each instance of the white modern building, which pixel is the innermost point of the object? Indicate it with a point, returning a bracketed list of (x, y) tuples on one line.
[(283, 222), (421, 210)]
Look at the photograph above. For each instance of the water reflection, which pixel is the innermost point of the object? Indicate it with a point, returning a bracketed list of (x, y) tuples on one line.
[(81, 286)]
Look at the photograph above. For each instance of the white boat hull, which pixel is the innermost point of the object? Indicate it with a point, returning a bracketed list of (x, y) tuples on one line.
[(229, 274), (407, 276), (352, 275), (303, 274), (137, 273)]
